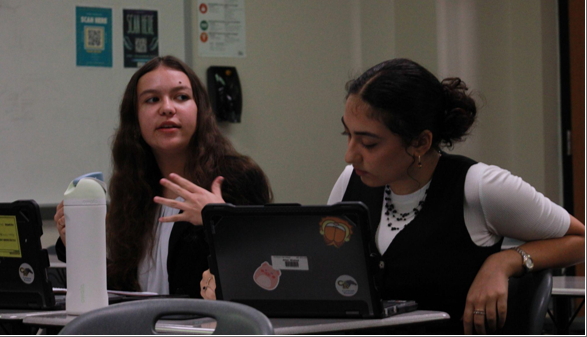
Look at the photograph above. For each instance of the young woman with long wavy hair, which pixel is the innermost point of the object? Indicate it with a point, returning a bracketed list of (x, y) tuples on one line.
[(169, 161)]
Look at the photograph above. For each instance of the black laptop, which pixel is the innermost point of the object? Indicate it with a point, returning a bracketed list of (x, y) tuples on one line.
[(24, 283), (296, 261)]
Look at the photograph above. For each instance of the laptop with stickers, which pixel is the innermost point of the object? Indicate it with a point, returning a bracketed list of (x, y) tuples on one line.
[(24, 283), (296, 261)]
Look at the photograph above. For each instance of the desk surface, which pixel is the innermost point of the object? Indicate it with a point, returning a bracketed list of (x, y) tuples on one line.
[(55, 263), (282, 326), (53, 318), (293, 326), (19, 315), (568, 285)]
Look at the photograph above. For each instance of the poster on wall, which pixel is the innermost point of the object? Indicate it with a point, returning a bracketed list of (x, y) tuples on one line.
[(93, 36), (140, 37), (221, 28)]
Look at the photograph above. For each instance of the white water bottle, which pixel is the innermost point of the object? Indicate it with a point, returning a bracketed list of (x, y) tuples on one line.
[(84, 205)]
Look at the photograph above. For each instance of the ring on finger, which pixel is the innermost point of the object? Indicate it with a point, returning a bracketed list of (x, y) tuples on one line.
[(478, 312)]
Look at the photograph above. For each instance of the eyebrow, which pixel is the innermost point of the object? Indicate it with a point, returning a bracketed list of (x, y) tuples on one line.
[(175, 89), (360, 133)]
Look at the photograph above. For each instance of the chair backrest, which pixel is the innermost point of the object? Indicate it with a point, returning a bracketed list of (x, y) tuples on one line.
[(528, 298), (140, 317)]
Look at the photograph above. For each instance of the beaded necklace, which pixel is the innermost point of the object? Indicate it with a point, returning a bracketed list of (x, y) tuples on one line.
[(390, 209)]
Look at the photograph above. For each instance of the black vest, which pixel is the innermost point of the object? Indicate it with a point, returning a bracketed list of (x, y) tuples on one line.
[(432, 260)]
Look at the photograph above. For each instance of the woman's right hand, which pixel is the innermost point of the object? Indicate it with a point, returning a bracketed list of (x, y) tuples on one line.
[(60, 221), (208, 286)]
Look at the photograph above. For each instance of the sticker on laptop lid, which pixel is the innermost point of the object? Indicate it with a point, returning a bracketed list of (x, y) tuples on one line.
[(266, 276), (9, 237), (346, 285), (290, 262), (336, 231), (27, 275)]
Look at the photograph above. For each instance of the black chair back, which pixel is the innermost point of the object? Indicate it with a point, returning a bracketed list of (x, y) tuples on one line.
[(139, 317), (528, 298)]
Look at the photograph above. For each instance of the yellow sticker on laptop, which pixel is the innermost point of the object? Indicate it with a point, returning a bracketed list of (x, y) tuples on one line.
[(9, 241)]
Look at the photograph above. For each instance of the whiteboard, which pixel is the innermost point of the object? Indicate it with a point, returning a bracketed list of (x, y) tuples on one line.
[(57, 119)]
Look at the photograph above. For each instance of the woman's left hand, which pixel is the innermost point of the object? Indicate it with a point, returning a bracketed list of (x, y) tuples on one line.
[(195, 198), (208, 286), (486, 305)]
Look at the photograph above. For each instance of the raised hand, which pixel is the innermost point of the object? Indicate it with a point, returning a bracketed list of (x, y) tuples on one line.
[(195, 198)]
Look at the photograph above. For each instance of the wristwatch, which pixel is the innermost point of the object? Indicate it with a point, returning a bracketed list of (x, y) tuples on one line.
[(526, 260)]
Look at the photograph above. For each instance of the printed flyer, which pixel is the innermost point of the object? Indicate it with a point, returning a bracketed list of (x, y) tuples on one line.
[(140, 37), (93, 36), (221, 28)]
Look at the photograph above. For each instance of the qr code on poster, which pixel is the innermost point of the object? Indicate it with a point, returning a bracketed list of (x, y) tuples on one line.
[(94, 37), (141, 45)]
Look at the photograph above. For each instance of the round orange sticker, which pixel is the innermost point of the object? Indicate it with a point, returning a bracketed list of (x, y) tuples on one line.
[(203, 37)]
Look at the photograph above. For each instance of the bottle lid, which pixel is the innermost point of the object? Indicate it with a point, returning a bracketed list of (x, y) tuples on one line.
[(96, 175), (88, 189)]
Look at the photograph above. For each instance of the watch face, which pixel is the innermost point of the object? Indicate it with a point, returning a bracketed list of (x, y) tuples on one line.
[(529, 264)]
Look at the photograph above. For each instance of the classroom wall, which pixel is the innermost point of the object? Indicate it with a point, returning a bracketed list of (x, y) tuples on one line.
[(57, 119), (301, 53), (299, 58)]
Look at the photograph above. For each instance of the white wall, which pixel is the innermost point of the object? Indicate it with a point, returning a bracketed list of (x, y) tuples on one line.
[(301, 53), (298, 61), (57, 119), (507, 51)]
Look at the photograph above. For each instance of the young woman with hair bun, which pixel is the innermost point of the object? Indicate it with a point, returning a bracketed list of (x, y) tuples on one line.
[(439, 219)]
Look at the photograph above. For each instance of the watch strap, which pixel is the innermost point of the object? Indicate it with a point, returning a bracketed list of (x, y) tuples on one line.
[(525, 257)]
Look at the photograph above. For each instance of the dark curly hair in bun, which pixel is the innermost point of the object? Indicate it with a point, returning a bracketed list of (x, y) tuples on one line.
[(408, 99)]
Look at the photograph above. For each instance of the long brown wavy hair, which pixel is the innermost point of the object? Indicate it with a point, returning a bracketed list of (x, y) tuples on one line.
[(136, 175)]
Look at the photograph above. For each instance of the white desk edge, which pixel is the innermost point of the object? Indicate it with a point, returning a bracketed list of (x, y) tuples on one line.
[(281, 326), (568, 285)]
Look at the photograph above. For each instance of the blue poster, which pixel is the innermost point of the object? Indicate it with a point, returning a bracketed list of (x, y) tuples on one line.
[(93, 36)]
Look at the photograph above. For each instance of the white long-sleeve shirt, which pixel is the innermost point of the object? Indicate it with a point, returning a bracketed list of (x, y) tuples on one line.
[(497, 204)]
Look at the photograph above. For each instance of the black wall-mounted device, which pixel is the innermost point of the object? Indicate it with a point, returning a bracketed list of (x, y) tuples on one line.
[(225, 93)]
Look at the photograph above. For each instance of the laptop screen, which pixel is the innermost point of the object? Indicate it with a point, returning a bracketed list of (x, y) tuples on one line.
[(292, 260)]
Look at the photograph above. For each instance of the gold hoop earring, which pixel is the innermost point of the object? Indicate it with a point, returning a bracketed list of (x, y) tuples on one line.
[(420, 162)]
